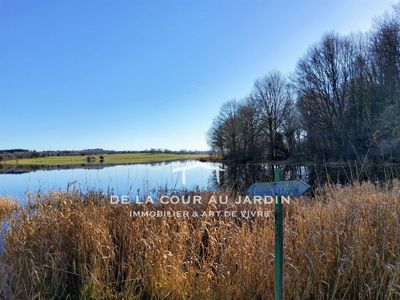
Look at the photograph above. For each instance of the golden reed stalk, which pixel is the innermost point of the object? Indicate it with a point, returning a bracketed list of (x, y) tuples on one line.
[(342, 244)]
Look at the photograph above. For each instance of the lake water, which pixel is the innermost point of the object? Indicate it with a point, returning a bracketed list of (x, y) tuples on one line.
[(135, 179), (148, 179)]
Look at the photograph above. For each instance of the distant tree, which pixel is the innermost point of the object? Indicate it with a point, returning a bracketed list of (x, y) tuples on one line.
[(323, 83), (275, 106), (228, 117), (249, 131), (385, 54), (342, 102), (258, 127), (215, 137)]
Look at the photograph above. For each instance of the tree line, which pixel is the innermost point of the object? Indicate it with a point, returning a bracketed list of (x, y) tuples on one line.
[(12, 154), (341, 102)]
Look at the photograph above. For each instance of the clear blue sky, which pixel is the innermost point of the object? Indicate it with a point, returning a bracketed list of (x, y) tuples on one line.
[(141, 74)]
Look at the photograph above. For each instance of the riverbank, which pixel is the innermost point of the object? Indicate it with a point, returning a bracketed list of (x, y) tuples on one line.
[(105, 159), (343, 243)]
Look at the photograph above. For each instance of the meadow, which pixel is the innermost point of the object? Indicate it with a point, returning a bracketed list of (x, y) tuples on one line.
[(106, 159), (344, 243)]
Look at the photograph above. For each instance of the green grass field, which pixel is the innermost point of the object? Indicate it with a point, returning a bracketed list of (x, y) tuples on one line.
[(109, 159)]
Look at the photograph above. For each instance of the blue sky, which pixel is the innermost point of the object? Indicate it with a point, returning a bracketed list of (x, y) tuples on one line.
[(141, 74)]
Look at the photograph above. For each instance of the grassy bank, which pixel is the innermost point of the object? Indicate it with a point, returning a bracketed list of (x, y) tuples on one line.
[(107, 159), (344, 244)]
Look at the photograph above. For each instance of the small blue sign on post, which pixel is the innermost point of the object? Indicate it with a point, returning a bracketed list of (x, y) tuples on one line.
[(279, 188)]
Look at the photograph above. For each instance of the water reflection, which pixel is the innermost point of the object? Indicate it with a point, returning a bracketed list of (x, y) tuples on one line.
[(238, 177), (149, 178), (136, 179)]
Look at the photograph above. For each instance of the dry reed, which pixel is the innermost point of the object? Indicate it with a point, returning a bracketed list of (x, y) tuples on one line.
[(342, 244), (7, 206)]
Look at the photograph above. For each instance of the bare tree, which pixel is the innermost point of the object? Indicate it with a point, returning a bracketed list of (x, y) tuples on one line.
[(274, 103), (385, 54), (216, 138), (347, 92), (323, 81)]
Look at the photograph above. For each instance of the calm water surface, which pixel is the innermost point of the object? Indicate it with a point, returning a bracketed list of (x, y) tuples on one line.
[(148, 179), (136, 179)]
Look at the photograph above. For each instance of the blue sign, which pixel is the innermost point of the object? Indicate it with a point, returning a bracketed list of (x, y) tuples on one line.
[(279, 188)]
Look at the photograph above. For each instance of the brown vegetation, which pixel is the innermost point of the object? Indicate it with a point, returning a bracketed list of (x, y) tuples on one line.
[(7, 206), (344, 243)]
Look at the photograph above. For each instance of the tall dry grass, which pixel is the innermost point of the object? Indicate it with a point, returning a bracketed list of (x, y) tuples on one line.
[(343, 244), (7, 206)]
